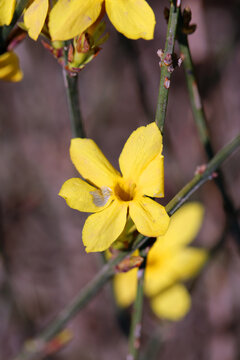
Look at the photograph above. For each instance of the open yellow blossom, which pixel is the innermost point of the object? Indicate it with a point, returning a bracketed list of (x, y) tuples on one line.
[(112, 196), (169, 262), (133, 18), (7, 8), (9, 67)]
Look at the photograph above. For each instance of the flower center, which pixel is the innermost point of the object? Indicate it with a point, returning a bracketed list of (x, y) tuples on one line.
[(125, 192)]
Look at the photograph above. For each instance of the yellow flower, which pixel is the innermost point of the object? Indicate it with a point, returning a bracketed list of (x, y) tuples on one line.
[(133, 18), (112, 196), (35, 16), (7, 8), (169, 262), (9, 67)]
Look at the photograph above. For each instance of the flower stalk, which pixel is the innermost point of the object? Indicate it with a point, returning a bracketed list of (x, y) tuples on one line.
[(71, 87), (201, 123), (166, 64), (108, 270)]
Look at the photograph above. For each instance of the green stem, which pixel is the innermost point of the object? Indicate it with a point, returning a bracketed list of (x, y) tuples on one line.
[(71, 87), (136, 323), (87, 293), (5, 30), (201, 122), (165, 76)]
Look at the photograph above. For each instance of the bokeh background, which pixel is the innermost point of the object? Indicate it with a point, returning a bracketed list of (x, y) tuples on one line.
[(42, 260)]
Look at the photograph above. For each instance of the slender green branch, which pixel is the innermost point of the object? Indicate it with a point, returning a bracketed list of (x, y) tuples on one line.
[(167, 65), (201, 122), (71, 87), (136, 323), (36, 347), (5, 30)]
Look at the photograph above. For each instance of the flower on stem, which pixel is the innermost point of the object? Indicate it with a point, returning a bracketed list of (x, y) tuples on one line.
[(169, 262), (9, 67), (113, 197), (133, 18)]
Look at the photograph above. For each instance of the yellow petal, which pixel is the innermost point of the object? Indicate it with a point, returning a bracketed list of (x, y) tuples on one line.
[(149, 217), (173, 304), (7, 8), (133, 18), (143, 145), (79, 195), (9, 67), (91, 163), (151, 180), (183, 228), (70, 18), (187, 262), (125, 287), (101, 229), (35, 16), (157, 278)]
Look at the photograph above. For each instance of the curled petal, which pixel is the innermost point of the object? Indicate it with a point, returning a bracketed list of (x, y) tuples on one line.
[(102, 229), (79, 195), (7, 8), (9, 67), (71, 18), (150, 218), (143, 145), (133, 18), (173, 304), (91, 163), (35, 16)]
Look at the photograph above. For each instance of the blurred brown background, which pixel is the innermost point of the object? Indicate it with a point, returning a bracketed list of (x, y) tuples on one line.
[(43, 263)]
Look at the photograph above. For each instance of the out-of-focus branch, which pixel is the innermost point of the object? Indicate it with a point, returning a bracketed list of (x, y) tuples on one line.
[(201, 123)]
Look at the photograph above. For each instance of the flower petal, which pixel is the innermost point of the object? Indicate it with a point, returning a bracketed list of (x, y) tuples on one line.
[(125, 287), (70, 18), (143, 145), (9, 67), (173, 304), (35, 16), (133, 18), (187, 262), (101, 229), (91, 163), (157, 278), (79, 195), (7, 8), (150, 218), (183, 228), (151, 180)]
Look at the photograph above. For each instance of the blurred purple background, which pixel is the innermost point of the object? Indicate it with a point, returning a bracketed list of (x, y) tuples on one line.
[(43, 263)]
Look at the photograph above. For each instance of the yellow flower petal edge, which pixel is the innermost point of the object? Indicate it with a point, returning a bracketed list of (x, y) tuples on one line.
[(143, 145), (102, 228), (35, 16), (9, 67), (7, 8), (70, 18), (133, 18), (173, 304), (125, 287), (79, 195), (178, 233)]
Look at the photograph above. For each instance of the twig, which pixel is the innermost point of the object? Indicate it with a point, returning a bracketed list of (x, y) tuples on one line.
[(166, 62), (136, 323), (201, 122), (87, 293), (71, 87)]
